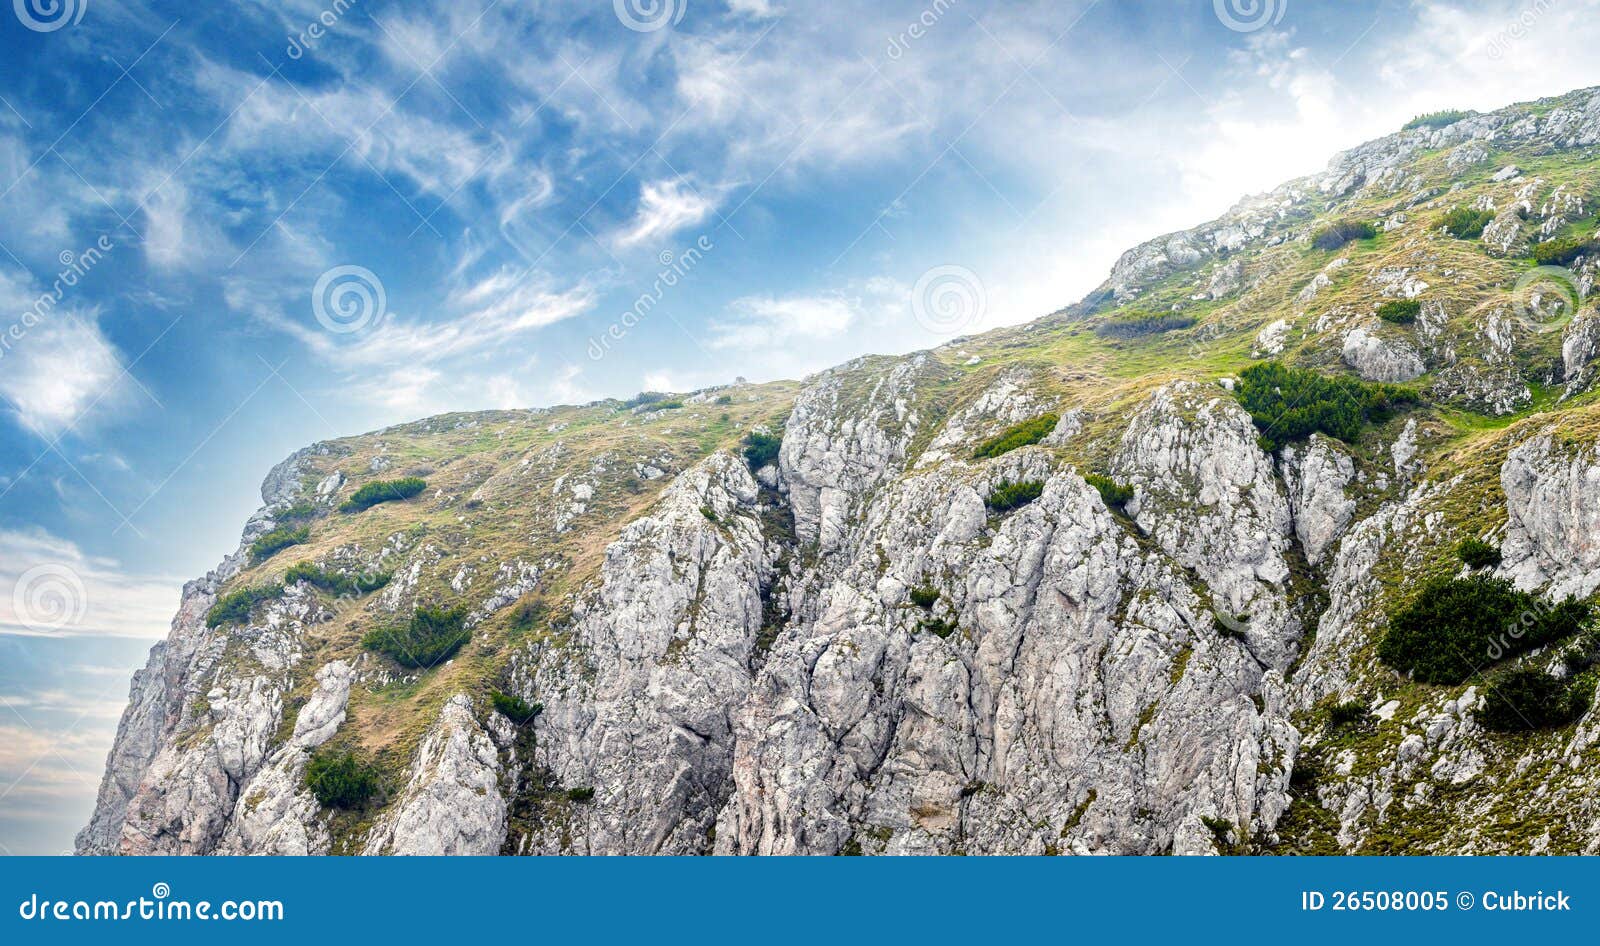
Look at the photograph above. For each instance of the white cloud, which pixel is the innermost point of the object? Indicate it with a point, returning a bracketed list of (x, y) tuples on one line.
[(664, 208), (763, 321), (51, 588), (57, 370)]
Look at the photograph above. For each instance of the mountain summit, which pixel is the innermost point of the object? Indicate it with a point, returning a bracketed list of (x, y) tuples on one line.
[(1281, 541)]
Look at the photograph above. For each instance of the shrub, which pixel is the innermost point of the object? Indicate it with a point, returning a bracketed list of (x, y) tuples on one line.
[(1476, 553), (383, 491), (515, 708), (1290, 403), (761, 449), (1523, 698), (1113, 494), (925, 596), (1437, 119), (341, 779), (336, 583), (1135, 324), (270, 543), (528, 613), (1456, 625), (1561, 252), (938, 627), (1025, 434), (654, 406), (1400, 311), (1464, 223), (723, 399), (431, 636), (580, 795), (1340, 232), (235, 607), (1346, 713), (1007, 495)]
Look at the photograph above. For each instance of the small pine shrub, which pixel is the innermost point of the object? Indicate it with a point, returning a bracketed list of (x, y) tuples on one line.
[(581, 796), (1135, 324), (432, 636), (761, 450), (528, 614), (341, 779), (1561, 252), (1454, 626), (1340, 232), (937, 627), (1025, 434), (1400, 311), (1464, 223), (515, 708), (1115, 495), (383, 491), (1522, 698), (336, 583), (235, 607), (1439, 119), (709, 513), (1346, 713), (271, 543), (654, 406), (925, 596), (1288, 404), (723, 400), (1007, 496), (1476, 553)]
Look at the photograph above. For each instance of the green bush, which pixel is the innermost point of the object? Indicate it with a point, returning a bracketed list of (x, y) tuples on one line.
[(1464, 223), (1439, 119), (270, 543), (1476, 553), (1340, 232), (1135, 324), (925, 596), (1290, 403), (336, 583), (654, 406), (341, 779), (723, 399), (1007, 495), (937, 627), (1113, 494), (528, 613), (383, 491), (580, 795), (1455, 626), (235, 607), (1563, 251), (431, 636), (1025, 434), (515, 708), (1522, 698), (1400, 311), (1346, 713), (761, 449)]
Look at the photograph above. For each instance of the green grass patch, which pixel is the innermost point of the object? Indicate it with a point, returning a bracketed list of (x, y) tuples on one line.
[(925, 596), (1136, 324)]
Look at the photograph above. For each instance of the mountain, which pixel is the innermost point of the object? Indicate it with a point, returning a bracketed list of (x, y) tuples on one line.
[(1182, 568)]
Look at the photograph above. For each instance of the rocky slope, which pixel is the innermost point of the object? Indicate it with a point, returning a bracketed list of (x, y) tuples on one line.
[(849, 647)]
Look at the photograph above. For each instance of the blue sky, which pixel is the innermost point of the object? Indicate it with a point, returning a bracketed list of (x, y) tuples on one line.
[(253, 234)]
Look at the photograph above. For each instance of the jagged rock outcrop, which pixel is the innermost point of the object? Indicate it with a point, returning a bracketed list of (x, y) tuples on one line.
[(452, 803)]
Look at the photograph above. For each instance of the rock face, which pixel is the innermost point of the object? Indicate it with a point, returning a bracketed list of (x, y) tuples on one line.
[(676, 640)]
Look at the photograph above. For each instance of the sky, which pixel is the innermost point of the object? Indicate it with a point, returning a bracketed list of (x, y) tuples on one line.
[(231, 229)]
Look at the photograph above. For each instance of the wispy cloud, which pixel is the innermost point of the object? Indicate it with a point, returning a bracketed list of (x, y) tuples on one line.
[(49, 587), (665, 207)]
